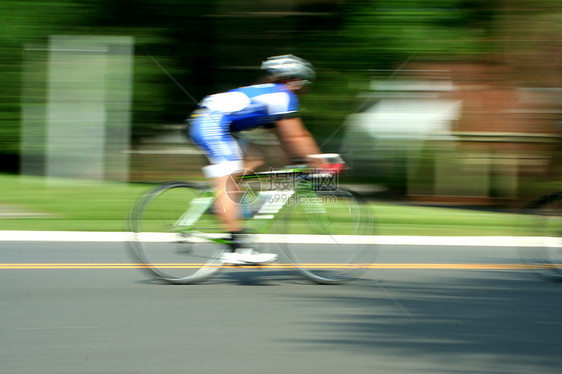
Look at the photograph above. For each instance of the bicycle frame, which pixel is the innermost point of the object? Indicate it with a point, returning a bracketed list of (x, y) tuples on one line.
[(265, 213), (174, 222)]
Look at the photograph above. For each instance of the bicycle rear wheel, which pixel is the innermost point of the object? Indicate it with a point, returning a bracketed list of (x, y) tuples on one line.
[(327, 235), (544, 221), (168, 223)]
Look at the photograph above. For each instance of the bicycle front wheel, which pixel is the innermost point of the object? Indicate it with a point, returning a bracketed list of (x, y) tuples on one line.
[(544, 222), (328, 235), (168, 224)]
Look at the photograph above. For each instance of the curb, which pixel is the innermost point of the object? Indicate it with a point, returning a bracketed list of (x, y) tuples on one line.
[(122, 237)]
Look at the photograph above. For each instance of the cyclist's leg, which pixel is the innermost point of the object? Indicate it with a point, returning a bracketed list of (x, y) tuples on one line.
[(226, 207), (254, 157), (210, 132)]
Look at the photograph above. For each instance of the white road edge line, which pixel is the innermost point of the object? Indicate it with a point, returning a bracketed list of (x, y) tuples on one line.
[(82, 236)]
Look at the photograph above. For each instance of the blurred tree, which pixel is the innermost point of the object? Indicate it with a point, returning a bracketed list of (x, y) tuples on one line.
[(175, 33), (22, 23), (351, 42), (212, 45)]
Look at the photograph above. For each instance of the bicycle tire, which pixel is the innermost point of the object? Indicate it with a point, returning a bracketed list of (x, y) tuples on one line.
[(340, 221), (544, 222), (167, 249)]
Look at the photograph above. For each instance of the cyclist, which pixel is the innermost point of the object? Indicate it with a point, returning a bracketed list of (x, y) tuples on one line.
[(274, 104)]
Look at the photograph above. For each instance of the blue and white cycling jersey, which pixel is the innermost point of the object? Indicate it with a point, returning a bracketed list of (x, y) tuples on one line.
[(249, 107), (240, 109)]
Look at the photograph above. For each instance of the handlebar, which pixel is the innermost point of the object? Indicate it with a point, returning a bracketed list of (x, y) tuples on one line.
[(330, 163)]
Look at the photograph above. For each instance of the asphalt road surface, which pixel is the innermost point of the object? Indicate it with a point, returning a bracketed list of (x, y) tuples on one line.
[(474, 313)]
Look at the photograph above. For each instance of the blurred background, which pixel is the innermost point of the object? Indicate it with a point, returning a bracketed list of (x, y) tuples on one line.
[(456, 101)]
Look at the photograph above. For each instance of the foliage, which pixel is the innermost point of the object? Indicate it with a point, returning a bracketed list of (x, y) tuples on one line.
[(208, 46)]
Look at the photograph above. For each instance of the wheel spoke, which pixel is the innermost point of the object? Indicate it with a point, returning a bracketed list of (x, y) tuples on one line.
[(160, 242), (329, 214)]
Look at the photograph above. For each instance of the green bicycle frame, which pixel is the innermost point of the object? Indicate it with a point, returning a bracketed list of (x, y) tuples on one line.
[(270, 203)]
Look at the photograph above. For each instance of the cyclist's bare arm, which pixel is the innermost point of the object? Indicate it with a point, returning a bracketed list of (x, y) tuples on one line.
[(296, 139)]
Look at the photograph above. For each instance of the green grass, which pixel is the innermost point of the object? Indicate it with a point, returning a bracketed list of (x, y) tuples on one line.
[(396, 219), (65, 205), (70, 205)]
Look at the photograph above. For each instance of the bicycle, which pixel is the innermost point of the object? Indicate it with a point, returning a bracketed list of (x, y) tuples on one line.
[(177, 237), (544, 220)]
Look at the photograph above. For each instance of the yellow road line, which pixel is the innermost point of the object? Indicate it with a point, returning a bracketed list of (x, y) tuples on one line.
[(403, 266)]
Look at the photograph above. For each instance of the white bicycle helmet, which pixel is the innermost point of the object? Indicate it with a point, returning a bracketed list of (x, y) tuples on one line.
[(289, 67)]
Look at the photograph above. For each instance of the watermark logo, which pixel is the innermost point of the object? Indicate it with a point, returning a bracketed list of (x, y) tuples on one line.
[(277, 197), (243, 187), (246, 186), (318, 179)]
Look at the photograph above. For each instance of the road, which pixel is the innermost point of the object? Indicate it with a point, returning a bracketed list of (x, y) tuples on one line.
[(401, 319)]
